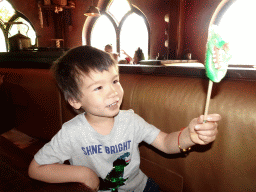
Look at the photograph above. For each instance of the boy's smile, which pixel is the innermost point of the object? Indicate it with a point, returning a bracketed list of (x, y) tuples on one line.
[(102, 94)]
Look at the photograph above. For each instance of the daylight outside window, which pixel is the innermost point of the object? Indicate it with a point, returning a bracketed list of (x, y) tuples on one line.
[(132, 27), (103, 33), (2, 42), (134, 34), (7, 14), (238, 27), (25, 29)]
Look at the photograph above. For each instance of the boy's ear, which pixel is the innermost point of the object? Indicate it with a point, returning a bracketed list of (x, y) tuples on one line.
[(74, 103)]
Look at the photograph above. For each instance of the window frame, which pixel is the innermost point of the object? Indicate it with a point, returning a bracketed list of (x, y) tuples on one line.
[(89, 26), (6, 29), (220, 11)]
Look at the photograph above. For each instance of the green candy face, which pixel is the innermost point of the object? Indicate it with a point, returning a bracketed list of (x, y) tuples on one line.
[(217, 56)]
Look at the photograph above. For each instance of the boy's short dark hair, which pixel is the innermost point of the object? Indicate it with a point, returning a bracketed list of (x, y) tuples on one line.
[(78, 61)]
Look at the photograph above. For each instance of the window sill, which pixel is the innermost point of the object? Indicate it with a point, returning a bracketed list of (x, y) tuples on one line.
[(188, 69)]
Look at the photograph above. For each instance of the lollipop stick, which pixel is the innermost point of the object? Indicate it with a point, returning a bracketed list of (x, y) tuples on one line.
[(208, 100)]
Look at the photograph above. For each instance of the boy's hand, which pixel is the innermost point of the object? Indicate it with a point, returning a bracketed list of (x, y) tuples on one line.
[(204, 133)]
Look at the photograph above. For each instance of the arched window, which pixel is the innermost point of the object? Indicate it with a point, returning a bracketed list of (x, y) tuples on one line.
[(122, 25), (100, 37), (3, 46), (237, 23), (9, 14)]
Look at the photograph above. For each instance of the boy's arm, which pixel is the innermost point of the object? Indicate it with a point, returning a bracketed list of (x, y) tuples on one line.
[(196, 133), (61, 173)]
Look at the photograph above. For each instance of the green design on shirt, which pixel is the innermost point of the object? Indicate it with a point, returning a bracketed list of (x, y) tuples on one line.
[(115, 179)]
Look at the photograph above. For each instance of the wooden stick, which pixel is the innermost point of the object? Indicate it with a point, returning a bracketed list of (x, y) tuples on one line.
[(208, 100)]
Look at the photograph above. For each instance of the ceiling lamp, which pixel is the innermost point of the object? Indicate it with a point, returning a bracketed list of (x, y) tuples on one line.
[(92, 11)]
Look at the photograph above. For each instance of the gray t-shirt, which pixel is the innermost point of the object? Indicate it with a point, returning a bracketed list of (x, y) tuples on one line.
[(113, 157)]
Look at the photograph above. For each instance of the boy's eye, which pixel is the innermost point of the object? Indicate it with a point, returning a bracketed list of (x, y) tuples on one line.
[(98, 88), (115, 81)]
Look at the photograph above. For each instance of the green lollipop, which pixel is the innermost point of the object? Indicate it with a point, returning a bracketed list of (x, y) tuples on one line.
[(217, 56), (216, 62)]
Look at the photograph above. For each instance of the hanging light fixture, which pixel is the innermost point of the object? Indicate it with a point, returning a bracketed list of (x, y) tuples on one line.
[(92, 11)]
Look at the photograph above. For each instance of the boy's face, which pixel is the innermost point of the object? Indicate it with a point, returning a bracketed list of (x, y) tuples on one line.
[(102, 94)]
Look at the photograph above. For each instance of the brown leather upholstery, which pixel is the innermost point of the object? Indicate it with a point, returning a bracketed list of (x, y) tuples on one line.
[(38, 104), (169, 102)]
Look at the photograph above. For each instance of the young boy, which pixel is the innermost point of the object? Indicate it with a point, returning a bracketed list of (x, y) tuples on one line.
[(102, 143)]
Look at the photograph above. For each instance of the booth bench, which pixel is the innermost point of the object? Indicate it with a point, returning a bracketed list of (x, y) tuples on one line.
[(33, 110)]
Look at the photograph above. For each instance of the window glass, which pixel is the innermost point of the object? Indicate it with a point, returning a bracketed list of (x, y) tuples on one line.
[(103, 33), (2, 42), (118, 9), (6, 11), (134, 34), (238, 27)]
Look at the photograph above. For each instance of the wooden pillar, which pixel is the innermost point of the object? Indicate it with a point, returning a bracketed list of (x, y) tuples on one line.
[(180, 29), (175, 30)]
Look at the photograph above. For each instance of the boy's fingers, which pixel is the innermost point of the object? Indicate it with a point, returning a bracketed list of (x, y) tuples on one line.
[(206, 126), (205, 133), (211, 117), (206, 139), (214, 117), (208, 133)]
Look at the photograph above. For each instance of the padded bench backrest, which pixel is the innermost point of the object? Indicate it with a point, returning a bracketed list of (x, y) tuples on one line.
[(170, 103), (37, 110)]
